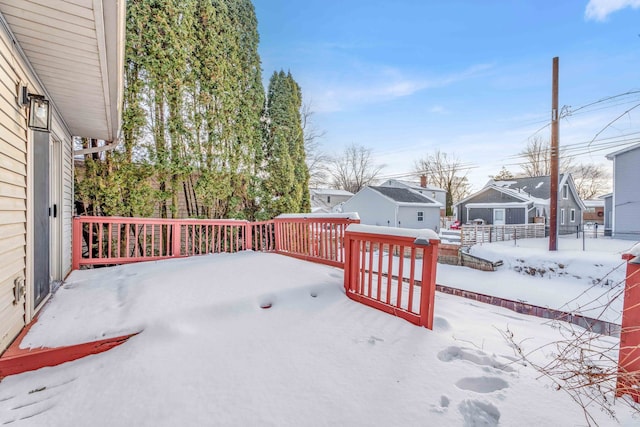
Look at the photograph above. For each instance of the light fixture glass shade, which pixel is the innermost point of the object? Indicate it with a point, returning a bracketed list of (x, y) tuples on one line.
[(39, 114)]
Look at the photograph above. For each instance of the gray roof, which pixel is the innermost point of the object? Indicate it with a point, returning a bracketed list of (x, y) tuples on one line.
[(537, 186), (403, 195)]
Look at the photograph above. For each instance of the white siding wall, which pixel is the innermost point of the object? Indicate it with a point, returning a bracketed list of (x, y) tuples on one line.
[(626, 196), (13, 195), (408, 217), (372, 207), (15, 191)]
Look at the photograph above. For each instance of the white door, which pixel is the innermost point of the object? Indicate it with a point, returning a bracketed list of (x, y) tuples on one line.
[(498, 217)]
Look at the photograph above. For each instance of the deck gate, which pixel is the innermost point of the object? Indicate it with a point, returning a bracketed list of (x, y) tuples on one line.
[(393, 270)]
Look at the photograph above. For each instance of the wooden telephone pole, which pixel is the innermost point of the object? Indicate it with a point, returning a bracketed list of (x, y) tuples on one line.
[(553, 197)]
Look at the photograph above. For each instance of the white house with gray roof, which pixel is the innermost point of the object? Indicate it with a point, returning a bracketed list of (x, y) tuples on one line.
[(395, 207), (324, 200), (433, 192)]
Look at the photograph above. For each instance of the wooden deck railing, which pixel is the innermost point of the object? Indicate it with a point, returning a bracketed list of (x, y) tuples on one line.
[(318, 238), (393, 270), (119, 240), (629, 352)]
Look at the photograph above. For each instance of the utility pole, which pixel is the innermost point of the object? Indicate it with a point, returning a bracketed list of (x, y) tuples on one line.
[(553, 196)]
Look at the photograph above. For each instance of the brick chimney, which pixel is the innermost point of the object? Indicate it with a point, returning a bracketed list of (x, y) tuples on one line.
[(423, 181)]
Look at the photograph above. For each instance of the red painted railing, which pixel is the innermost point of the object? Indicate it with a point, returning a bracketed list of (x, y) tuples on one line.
[(119, 240), (317, 238), (393, 270), (629, 355)]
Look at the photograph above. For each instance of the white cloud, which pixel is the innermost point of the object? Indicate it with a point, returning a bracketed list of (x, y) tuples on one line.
[(437, 109), (599, 10), (382, 85)]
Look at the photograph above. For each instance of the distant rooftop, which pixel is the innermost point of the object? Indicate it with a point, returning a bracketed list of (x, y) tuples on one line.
[(403, 195)]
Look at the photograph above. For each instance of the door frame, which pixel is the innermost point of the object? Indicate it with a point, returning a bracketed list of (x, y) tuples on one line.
[(55, 201), (504, 216)]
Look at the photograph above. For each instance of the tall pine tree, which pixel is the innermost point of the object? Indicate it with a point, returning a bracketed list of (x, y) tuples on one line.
[(287, 182)]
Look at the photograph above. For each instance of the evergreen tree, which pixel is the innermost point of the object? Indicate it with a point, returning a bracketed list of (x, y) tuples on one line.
[(287, 173), (193, 119)]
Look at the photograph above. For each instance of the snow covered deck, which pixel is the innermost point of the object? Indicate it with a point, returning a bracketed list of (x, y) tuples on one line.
[(209, 354)]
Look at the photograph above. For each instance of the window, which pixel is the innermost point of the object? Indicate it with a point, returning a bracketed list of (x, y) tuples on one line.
[(565, 191), (420, 216), (328, 199), (572, 216), (561, 216), (433, 194)]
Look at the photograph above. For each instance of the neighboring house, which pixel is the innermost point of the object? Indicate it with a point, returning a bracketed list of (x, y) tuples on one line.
[(394, 207), (523, 201), (62, 65), (324, 200), (434, 193), (594, 211), (625, 208)]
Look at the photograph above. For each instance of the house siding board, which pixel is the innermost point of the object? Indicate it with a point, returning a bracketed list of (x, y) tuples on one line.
[(626, 196), (512, 215), (372, 208), (67, 205), (14, 191), (408, 217), (489, 196), (608, 212), (484, 214), (13, 194), (515, 216)]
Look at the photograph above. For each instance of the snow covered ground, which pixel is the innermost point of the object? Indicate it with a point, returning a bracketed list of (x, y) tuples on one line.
[(210, 355)]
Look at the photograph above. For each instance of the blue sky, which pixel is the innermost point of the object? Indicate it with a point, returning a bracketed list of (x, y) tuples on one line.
[(471, 78)]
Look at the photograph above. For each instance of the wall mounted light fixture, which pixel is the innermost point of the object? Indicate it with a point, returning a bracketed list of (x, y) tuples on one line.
[(39, 110)]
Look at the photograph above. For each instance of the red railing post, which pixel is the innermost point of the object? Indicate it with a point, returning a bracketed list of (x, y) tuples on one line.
[(629, 353), (428, 285), (175, 239), (76, 246), (248, 231), (277, 226)]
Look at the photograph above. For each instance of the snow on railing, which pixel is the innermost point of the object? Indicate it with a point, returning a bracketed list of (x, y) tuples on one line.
[(119, 240), (393, 270)]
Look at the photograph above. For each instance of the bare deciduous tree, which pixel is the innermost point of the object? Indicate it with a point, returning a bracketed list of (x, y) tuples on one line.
[(446, 172), (537, 158), (583, 363), (354, 169), (317, 160), (591, 180)]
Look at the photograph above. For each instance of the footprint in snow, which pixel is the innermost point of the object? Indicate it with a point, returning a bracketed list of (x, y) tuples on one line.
[(479, 414), (482, 384), (474, 356), (441, 324), (442, 406)]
